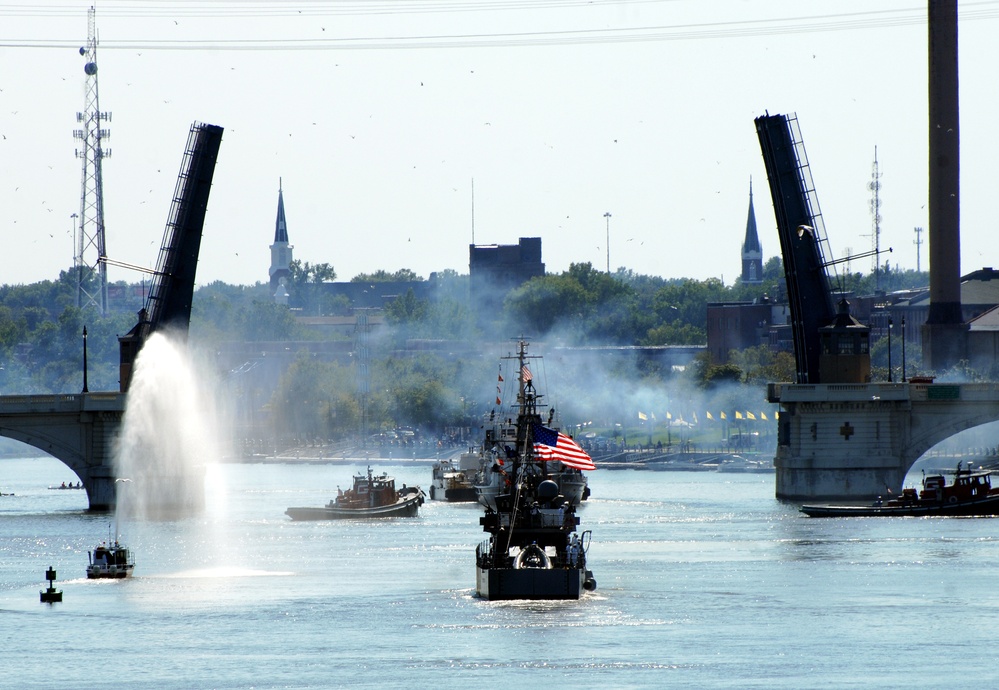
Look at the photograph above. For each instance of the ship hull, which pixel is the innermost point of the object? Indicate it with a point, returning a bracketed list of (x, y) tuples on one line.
[(498, 584), (109, 572), (404, 507), (463, 495), (981, 508)]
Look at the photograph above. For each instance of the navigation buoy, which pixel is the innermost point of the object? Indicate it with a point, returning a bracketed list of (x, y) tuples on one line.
[(50, 595)]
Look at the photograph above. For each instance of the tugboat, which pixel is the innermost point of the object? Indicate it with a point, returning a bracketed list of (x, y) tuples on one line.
[(110, 561), (372, 496), (533, 551), (455, 482), (970, 494)]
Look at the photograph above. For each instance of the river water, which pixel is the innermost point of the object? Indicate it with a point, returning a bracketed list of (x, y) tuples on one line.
[(704, 580)]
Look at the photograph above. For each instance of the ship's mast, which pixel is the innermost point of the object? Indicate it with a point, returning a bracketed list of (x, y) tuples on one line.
[(528, 400)]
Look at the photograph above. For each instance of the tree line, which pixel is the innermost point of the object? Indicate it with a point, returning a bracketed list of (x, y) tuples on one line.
[(41, 342)]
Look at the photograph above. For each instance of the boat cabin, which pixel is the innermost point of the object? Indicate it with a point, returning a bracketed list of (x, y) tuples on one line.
[(967, 485), (369, 490), (105, 556)]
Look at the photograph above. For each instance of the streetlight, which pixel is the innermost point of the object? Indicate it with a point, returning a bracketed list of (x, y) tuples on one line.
[(608, 217), (85, 389), (903, 348), (889, 349)]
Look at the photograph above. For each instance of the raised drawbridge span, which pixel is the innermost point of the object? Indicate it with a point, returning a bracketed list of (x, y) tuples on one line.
[(81, 430)]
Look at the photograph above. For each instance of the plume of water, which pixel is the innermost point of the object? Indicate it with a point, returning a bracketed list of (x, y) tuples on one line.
[(167, 434)]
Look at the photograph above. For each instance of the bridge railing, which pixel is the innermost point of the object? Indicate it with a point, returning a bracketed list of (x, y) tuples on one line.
[(62, 402), (845, 392), (917, 392)]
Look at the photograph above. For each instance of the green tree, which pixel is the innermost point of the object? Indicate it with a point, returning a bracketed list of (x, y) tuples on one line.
[(546, 302), (403, 275), (316, 400), (762, 365), (305, 283)]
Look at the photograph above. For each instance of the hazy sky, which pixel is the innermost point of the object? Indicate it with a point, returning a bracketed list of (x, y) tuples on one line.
[(378, 116)]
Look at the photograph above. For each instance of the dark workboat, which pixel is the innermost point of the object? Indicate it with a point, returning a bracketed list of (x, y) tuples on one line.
[(110, 561), (372, 496), (533, 551), (970, 494)]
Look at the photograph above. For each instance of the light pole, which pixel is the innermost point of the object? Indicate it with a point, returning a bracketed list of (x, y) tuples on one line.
[(903, 348), (85, 388), (889, 349), (608, 217)]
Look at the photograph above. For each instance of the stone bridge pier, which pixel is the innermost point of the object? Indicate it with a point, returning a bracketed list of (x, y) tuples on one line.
[(80, 430), (854, 441)]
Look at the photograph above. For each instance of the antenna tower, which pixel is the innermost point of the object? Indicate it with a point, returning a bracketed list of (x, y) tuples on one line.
[(919, 245), (875, 186), (91, 271)]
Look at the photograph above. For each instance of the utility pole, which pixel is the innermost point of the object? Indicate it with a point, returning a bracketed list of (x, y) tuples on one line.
[(86, 388), (608, 217)]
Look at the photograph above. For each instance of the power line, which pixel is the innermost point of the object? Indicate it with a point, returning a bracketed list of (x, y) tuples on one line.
[(306, 8), (874, 19)]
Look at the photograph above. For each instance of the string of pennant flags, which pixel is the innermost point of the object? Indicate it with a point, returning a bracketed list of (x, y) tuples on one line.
[(524, 375), (762, 416)]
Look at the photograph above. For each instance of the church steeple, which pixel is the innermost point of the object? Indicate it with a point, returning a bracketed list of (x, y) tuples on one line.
[(752, 251), (281, 226), (280, 252)]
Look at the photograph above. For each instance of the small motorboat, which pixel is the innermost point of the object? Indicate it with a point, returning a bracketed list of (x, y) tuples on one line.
[(110, 561), (371, 496), (969, 495)]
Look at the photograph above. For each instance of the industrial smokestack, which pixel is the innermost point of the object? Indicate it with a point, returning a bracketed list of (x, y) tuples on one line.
[(944, 335)]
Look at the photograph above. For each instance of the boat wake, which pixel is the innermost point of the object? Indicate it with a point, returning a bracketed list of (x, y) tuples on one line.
[(225, 572)]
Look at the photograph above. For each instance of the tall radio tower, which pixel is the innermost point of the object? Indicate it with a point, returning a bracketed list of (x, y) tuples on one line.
[(875, 186), (91, 271)]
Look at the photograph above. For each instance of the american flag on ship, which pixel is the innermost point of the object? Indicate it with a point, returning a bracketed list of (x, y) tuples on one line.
[(525, 374), (553, 445)]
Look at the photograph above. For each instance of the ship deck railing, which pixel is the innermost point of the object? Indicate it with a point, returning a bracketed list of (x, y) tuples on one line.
[(551, 518)]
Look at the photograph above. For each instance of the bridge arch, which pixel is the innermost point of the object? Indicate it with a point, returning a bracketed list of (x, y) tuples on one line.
[(79, 430), (921, 444), (51, 445)]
